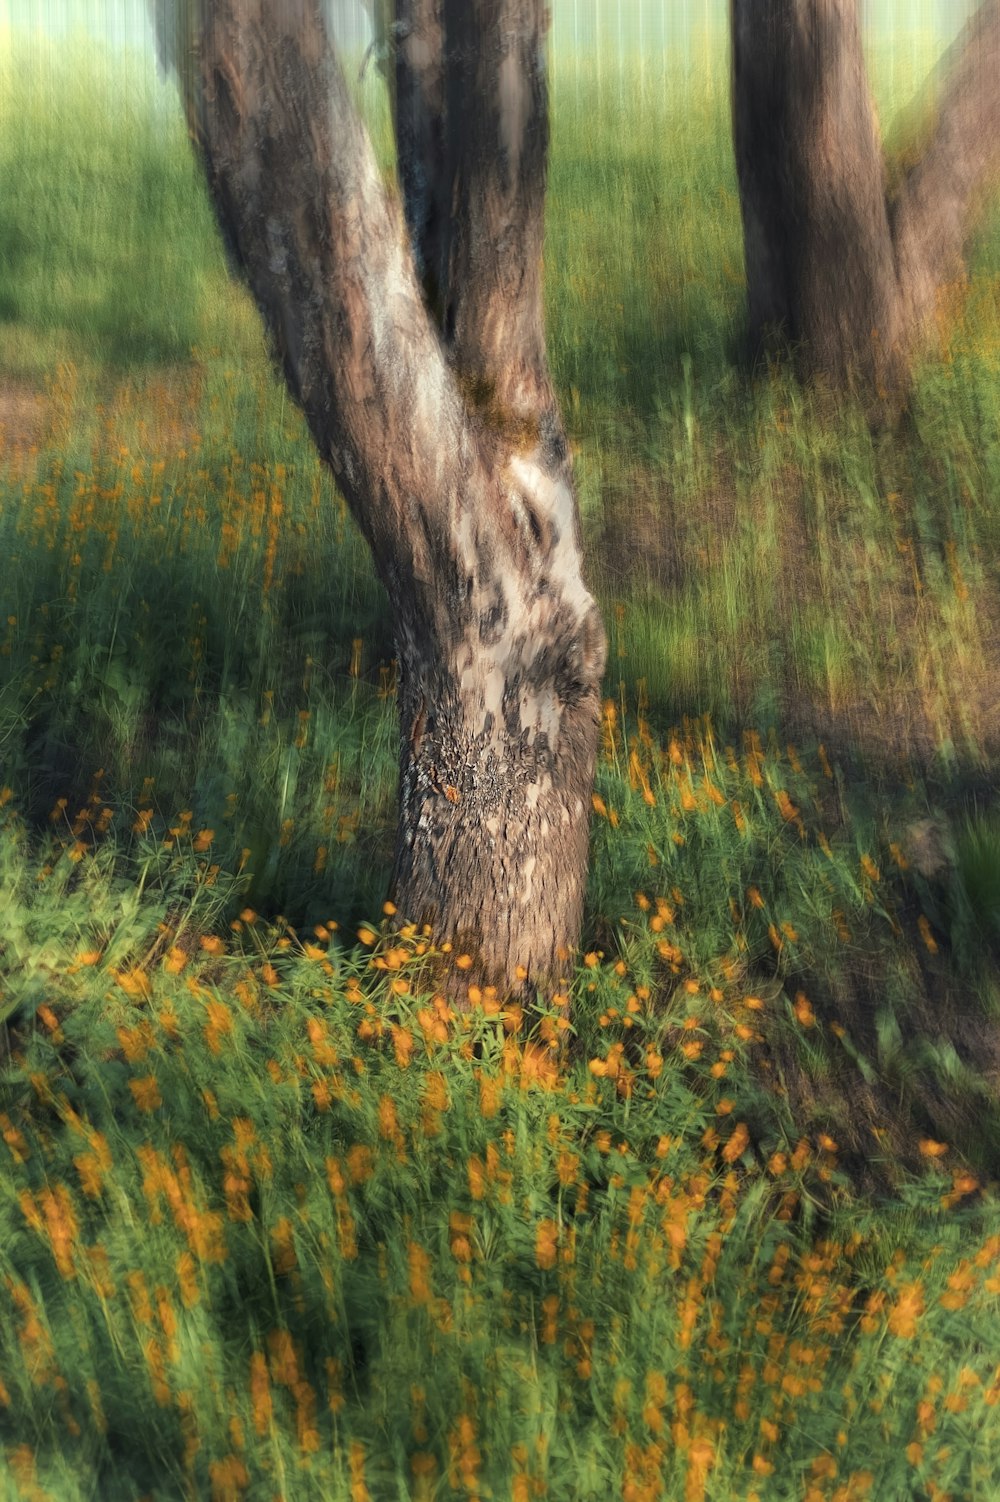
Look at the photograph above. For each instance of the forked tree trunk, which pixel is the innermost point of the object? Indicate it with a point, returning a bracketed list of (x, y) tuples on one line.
[(849, 277), (446, 443)]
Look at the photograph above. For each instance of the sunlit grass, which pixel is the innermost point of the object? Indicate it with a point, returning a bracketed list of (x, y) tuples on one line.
[(275, 1219), (271, 1204)]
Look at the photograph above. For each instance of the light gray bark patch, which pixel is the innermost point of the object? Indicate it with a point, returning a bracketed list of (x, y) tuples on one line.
[(515, 108)]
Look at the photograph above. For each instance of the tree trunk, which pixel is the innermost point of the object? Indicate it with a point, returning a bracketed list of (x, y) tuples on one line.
[(944, 191), (498, 744), (499, 713), (849, 278), (450, 454)]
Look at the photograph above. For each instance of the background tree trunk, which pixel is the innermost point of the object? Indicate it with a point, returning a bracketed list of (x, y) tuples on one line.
[(944, 191), (458, 477), (849, 278), (816, 228)]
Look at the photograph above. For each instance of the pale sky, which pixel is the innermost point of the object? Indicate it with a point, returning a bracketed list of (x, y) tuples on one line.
[(626, 24)]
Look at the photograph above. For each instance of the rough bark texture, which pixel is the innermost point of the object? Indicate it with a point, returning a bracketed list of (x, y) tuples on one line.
[(848, 277), (473, 526)]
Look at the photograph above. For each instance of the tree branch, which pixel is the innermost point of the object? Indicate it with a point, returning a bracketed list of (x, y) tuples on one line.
[(942, 193), (494, 321), (421, 154), (298, 195)]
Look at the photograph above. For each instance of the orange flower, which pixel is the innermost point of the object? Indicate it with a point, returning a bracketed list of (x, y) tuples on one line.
[(187, 1277), (136, 1041), (388, 1122), (360, 1163), (14, 1139), (804, 1013), (402, 1040), (146, 1092), (906, 1312), (737, 1143), (420, 1267), (284, 1358), (786, 807), (539, 1067), (436, 1091), (135, 983), (93, 1166), (260, 1393), (61, 1225), (546, 1244), (477, 1178), (931, 1149)]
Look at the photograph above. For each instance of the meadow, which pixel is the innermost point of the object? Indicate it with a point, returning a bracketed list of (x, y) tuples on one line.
[(275, 1220)]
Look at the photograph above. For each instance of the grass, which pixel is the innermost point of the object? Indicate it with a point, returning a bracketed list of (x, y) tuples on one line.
[(275, 1221)]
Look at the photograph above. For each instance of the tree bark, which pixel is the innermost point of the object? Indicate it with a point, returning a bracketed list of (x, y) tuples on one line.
[(944, 191), (472, 521), (494, 316), (423, 166), (849, 278)]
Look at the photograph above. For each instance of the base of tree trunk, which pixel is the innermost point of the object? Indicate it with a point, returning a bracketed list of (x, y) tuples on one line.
[(494, 829)]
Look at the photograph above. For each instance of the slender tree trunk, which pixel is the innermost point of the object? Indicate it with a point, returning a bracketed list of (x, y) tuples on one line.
[(847, 277), (448, 451)]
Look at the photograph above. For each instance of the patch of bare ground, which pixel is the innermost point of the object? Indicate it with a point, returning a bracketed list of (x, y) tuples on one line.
[(910, 682), (156, 411), (161, 407), (638, 539), (24, 421), (906, 1095), (931, 693), (651, 532)]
